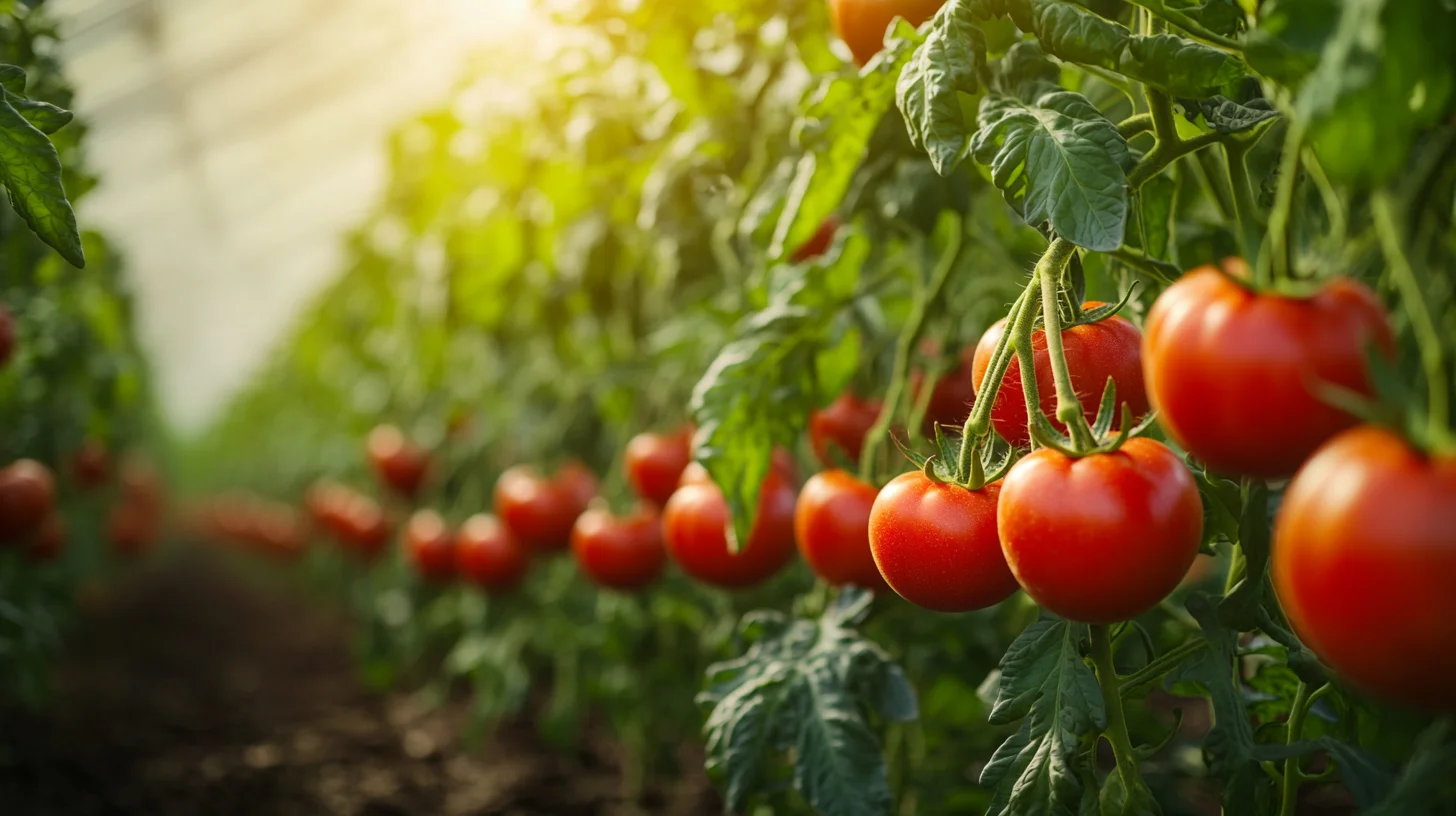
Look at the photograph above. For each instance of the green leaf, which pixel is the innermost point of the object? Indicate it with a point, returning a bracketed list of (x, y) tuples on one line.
[(1045, 681), (1285, 45), (1180, 66), (808, 687), (1070, 32), (30, 169), (12, 78), (1156, 204), (939, 74), (1240, 608), (1059, 161), (1417, 788), (1227, 116)]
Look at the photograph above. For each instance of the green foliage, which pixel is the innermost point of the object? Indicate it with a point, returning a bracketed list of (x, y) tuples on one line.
[(30, 169)]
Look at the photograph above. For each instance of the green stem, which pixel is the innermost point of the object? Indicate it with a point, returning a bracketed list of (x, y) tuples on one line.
[(1293, 776), (1216, 181), (1069, 408), (980, 419), (1245, 209), (1136, 258), (1428, 338), (1116, 732), (1160, 107), (1161, 665), (1334, 208), (1135, 124), (1277, 259), (1165, 153), (1196, 29)]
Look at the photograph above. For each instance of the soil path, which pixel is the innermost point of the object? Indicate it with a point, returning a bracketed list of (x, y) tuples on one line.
[(191, 690)]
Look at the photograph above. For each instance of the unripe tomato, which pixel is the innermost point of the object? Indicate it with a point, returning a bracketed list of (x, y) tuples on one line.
[(1233, 372), (619, 553), (399, 463), (131, 529), (7, 335), (845, 423), (936, 545), (1102, 538), (862, 23), (818, 243), (27, 497), (951, 399), (49, 540), (429, 545), (832, 528), (696, 524), (1094, 352), (488, 556), (91, 465), (538, 511), (655, 462), (1364, 564)]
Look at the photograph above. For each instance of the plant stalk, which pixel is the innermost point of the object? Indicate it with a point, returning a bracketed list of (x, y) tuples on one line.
[(1116, 732), (1069, 408)]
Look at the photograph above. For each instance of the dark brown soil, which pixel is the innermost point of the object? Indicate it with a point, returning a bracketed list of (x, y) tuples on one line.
[(192, 690)]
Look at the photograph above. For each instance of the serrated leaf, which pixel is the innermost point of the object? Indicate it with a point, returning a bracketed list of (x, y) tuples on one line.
[(808, 686), (1059, 161), (929, 92), (1227, 116), (46, 118), (1045, 681), (12, 79), (1181, 66), (1240, 608), (1070, 32), (30, 169)]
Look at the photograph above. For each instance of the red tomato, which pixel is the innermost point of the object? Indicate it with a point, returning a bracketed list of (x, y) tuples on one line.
[(818, 243), (1102, 538), (429, 546), (1364, 564), (655, 463), (951, 399), (936, 545), (49, 541), (487, 555), (27, 496), (832, 528), (845, 423), (1094, 352), (862, 23), (91, 466), (619, 553), (364, 528), (131, 529), (7, 335), (696, 525), (1231, 371), (538, 511), (399, 463)]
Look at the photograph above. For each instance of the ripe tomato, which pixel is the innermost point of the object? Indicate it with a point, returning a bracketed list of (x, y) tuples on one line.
[(7, 335), (538, 511), (951, 399), (365, 529), (1102, 538), (696, 524), (1364, 564), (91, 465), (936, 545), (27, 497), (1096, 351), (619, 553), (845, 423), (1231, 371), (49, 540), (818, 243), (832, 528), (131, 529), (655, 462), (862, 23), (399, 463), (487, 555), (429, 546)]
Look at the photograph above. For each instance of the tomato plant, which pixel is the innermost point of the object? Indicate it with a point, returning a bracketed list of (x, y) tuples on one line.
[(623, 553)]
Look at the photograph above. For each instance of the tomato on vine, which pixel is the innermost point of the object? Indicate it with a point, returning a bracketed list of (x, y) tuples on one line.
[(399, 463), (538, 511), (619, 552), (27, 497), (655, 462), (844, 424), (1101, 538), (364, 527), (488, 556), (832, 528), (951, 397), (936, 545), (1234, 374), (429, 545), (862, 23), (1094, 351), (91, 465), (1364, 564), (696, 523)]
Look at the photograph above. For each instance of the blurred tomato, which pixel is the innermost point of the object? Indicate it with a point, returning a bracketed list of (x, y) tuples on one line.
[(399, 463), (27, 497), (488, 556), (623, 553), (429, 546)]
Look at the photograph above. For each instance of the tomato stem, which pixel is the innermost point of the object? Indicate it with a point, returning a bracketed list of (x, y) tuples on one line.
[(1428, 338), (1069, 408), (979, 422), (1293, 775), (1160, 666), (1116, 732), (1274, 265)]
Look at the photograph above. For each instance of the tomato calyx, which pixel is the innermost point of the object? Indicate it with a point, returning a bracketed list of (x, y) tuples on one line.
[(971, 466)]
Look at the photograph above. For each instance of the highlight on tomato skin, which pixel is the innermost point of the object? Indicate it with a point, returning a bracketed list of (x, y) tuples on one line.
[(832, 529), (488, 556), (399, 463), (430, 546), (540, 512), (27, 498), (861, 24), (1364, 565), (625, 553), (654, 463)]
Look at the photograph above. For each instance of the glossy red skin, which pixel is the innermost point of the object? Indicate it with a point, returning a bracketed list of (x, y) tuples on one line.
[(399, 463), (1094, 352), (951, 399), (540, 512), (844, 423), (623, 553), (832, 529), (936, 544), (695, 525), (27, 497), (1230, 371), (1102, 538), (91, 465), (488, 556), (1364, 565), (655, 462), (430, 546), (49, 541), (818, 243), (862, 23), (7, 335)]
